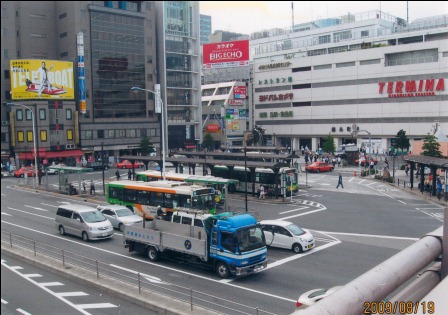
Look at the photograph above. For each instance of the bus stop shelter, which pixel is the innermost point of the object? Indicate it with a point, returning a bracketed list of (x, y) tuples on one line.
[(64, 173)]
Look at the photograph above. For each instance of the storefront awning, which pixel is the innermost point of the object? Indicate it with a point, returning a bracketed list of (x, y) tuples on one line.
[(51, 154), (190, 147)]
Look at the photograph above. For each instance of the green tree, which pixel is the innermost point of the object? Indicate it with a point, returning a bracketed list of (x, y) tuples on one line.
[(431, 147), (208, 142), (146, 148), (328, 145), (402, 140)]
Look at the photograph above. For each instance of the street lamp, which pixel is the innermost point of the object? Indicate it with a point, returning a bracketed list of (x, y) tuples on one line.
[(34, 140), (163, 125)]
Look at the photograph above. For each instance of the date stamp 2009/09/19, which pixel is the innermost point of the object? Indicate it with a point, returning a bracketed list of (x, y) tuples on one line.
[(372, 308)]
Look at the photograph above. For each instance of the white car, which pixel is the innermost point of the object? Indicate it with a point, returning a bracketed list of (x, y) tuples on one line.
[(284, 234), (119, 216), (313, 296)]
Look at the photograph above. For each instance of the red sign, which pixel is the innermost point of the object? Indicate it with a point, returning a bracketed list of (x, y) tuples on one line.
[(412, 88), (212, 128), (239, 92), (236, 102), (226, 54)]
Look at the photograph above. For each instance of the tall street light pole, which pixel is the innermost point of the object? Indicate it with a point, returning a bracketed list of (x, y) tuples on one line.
[(162, 117), (34, 140), (102, 166)]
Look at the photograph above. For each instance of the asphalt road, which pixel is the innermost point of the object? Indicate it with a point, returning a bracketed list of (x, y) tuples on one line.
[(356, 228)]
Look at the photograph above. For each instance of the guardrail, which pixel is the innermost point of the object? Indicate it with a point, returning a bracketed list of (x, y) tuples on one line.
[(144, 283)]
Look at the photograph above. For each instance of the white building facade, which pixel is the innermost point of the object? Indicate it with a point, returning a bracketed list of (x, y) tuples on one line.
[(372, 72)]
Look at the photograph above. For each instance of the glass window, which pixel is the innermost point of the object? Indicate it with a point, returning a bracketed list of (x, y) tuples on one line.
[(42, 114), (29, 136), (29, 115), (100, 134), (19, 114), (20, 136), (89, 135), (43, 135), (68, 114), (69, 134), (111, 133)]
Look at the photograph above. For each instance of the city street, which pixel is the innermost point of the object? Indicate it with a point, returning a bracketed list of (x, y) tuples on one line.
[(355, 228)]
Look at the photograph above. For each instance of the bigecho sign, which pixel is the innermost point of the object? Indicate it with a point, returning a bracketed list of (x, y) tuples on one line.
[(226, 54)]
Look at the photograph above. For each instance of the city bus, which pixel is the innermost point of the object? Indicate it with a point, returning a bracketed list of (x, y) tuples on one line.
[(285, 182), (218, 183), (147, 198)]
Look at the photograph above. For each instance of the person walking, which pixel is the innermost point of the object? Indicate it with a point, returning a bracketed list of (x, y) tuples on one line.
[(117, 174), (262, 192), (340, 182), (129, 174), (84, 186), (92, 187)]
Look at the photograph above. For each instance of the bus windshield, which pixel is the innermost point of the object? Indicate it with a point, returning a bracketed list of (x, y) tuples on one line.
[(250, 238), (203, 202)]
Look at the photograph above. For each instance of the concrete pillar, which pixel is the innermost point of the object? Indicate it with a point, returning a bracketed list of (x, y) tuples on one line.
[(337, 142), (384, 145), (314, 144)]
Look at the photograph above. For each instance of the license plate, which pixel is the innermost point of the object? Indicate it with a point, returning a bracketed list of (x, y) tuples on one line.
[(105, 234)]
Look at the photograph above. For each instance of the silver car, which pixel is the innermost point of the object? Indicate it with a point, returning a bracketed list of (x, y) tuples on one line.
[(119, 216)]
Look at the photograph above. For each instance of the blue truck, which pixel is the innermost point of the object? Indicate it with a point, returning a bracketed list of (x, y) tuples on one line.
[(230, 244)]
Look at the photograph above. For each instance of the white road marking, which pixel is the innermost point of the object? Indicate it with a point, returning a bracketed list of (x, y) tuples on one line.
[(299, 215), (298, 209), (22, 311), (370, 184), (50, 284), (429, 208), (37, 215), (433, 215), (148, 277), (79, 293), (361, 181), (40, 209), (48, 205), (96, 305), (6, 213), (32, 275), (372, 235), (401, 202), (4, 302)]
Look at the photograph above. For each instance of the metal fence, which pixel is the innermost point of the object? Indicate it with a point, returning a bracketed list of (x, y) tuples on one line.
[(144, 283)]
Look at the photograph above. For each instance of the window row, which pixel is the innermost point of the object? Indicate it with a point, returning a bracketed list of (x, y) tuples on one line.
[(43, 135), (42, 114), (120, 133)]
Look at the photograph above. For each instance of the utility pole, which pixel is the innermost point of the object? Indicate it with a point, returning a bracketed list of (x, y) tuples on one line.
[(102, 166)]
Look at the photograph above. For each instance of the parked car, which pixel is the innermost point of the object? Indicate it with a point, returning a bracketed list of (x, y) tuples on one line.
[(128, 164), (363, 161), (318, 167), (97, 166), (284, 234), (313, 296), (119, 216), (29, 170)]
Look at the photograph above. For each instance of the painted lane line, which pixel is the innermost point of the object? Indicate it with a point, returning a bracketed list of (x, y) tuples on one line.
[(40, 209), (152, 264), (79, 293), (48, 205), (372, 235), (350, 180), (95, 305), (298, 209), (361, 181), (401, 202), (50, 284), (429, 208), (6, 213), (23, 312), (4, 302), (149, 277), (370, 184), (291, 258), (299, 215), (432, 216), (32, 275), (37, 215)]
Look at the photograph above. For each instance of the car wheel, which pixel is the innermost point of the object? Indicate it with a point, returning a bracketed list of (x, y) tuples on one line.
[(85, 236), (222, 269), (61, 230), (318, 171), (153, 253), (297, 248), (21, 175), (56, 172), (105, 168), (123, 167), (121, 227)]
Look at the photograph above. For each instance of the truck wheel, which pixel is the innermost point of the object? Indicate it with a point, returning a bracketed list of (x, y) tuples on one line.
[(297, 248), (153, 254), (85, 236), (61, 230), (222, 270)]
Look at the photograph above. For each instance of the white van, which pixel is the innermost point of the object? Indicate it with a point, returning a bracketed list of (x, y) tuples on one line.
[(284, 234), (83, 221)]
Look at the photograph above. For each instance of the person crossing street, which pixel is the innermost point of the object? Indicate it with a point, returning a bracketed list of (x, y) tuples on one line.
[(340, 182)]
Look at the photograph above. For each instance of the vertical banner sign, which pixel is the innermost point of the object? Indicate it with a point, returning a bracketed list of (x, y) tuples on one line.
[(239, 92), (75, 116), (157, 103), (81, 73)]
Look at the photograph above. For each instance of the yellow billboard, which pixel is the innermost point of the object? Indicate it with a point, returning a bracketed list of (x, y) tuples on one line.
[(42, 79)]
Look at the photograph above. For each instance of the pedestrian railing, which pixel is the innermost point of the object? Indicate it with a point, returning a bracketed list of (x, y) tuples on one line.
[(144, 283)]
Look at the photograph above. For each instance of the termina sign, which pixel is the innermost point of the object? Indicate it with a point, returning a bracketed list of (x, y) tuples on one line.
[(412, 88), (226, 54)]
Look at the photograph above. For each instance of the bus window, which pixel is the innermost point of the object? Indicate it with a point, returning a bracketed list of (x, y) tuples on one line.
[(186, 220), (176, 218), (198, 222)]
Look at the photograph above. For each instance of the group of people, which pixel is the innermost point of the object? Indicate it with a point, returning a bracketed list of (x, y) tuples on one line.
[(118, 176)]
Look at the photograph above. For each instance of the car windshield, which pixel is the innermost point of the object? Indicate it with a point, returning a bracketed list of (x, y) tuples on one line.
[(124, 212), (250, 238), (294, 229), (93, 216)]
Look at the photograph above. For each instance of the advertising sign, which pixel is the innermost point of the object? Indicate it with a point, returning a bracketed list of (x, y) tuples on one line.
[(226, 54), (42, 79), (237, 102), (239, 92)]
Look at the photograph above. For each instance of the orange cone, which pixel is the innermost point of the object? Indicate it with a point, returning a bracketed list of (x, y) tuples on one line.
[(354, 174)]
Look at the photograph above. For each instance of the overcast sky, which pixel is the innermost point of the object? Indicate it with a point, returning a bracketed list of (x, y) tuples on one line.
[(251, 16)]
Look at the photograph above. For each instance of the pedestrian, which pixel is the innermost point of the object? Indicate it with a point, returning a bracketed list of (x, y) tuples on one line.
[(439, 189), (117, 174), (339, 161), (406, 169), (340, 181), (92, 187), (262, 192), (84, 186), (129, 174)]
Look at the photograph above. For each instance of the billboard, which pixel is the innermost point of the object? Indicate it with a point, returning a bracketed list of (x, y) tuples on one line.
[(239, 92), (42, 79), (225, 54)]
